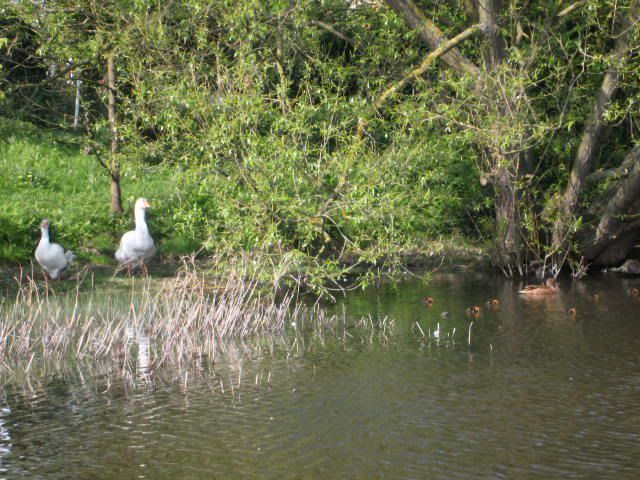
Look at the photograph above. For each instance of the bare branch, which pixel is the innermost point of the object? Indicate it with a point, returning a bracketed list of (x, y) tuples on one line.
[(619, 172), (332, 30), (574, 6), (426, 63), (432, 35)]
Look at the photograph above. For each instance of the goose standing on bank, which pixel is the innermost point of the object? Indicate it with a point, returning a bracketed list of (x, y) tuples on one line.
[(51, 256), (137, 245)]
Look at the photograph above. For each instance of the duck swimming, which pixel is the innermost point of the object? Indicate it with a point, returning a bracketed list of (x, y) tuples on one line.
[(549, 288), (52, 257), (474, 310), (428, 301), (137, 245)]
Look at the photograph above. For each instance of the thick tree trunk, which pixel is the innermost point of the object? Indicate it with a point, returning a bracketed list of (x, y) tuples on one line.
[(583, 161), (615, 233), (507, 169), (431, 35), (586, 155), (507, 243), (116, 194), (488, 12), (617, 252)]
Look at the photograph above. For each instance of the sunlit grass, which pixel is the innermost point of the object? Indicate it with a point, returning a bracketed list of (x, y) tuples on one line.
[(47, 174)]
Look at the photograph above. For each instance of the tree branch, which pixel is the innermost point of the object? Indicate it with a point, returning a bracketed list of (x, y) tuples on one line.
[(595, 124), (432, 35), (426, 63), (574, 6), (332, 30), (612, 223), (618, 172), (102, 163), (50, 79)]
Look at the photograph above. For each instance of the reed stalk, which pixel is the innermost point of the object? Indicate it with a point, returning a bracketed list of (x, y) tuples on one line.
[(186, 316)]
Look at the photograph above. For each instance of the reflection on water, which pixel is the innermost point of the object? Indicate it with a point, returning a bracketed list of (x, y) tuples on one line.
[(5, 439), (538, 393)]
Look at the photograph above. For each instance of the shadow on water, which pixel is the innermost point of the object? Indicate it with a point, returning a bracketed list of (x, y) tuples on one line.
[(538, 393)]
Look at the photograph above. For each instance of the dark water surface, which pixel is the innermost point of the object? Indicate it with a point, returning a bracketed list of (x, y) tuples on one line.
[(537, 394)]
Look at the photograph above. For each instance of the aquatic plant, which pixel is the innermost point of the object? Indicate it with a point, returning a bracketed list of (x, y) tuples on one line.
[(185, 316)]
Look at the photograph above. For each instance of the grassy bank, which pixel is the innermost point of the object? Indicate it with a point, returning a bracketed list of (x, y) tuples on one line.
[(388, 215), (46, 174)]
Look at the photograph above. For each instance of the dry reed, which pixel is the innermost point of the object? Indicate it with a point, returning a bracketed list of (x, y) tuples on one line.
[(186, 317)]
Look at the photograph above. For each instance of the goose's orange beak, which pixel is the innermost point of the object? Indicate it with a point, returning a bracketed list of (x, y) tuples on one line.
[(147, 204)]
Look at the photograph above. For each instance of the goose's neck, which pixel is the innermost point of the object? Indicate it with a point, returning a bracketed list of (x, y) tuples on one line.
[(45, 235), (141, 224)]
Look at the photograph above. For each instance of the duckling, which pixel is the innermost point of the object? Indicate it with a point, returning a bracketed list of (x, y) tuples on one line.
[(428, 301), (474, 310), (493, 303), (571, 311), (633, 291), (595, 297)]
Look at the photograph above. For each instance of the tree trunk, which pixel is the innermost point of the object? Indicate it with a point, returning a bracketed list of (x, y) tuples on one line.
[(616, 252), (586, 155), (116, 195), (432, 35), (612, 227), (471, 9), (507, 243), (488, 12), (506, 168)]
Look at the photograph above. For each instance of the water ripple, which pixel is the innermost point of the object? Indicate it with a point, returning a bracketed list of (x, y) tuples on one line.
[(537, 394)]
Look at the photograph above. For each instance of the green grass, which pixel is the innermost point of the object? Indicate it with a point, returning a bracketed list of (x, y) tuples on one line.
[(46, 174), (408, 205)]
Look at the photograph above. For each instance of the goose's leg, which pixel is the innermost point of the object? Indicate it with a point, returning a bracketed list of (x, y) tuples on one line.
[(129, 268), (145, 272)]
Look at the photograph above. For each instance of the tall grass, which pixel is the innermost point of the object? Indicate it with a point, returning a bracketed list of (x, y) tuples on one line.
[(185, 317)]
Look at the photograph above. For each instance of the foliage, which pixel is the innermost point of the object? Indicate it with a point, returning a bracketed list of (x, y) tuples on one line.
[(239, 121), (254, 125), (44, 174)]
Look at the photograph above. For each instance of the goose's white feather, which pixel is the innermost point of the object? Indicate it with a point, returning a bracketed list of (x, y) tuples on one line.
[(52, 257), (137, 245)]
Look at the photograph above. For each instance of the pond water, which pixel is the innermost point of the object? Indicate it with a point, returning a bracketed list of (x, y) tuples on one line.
[(537, 393)]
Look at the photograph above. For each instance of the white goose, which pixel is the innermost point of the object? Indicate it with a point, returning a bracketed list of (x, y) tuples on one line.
[(137, 245), (51, 256)]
